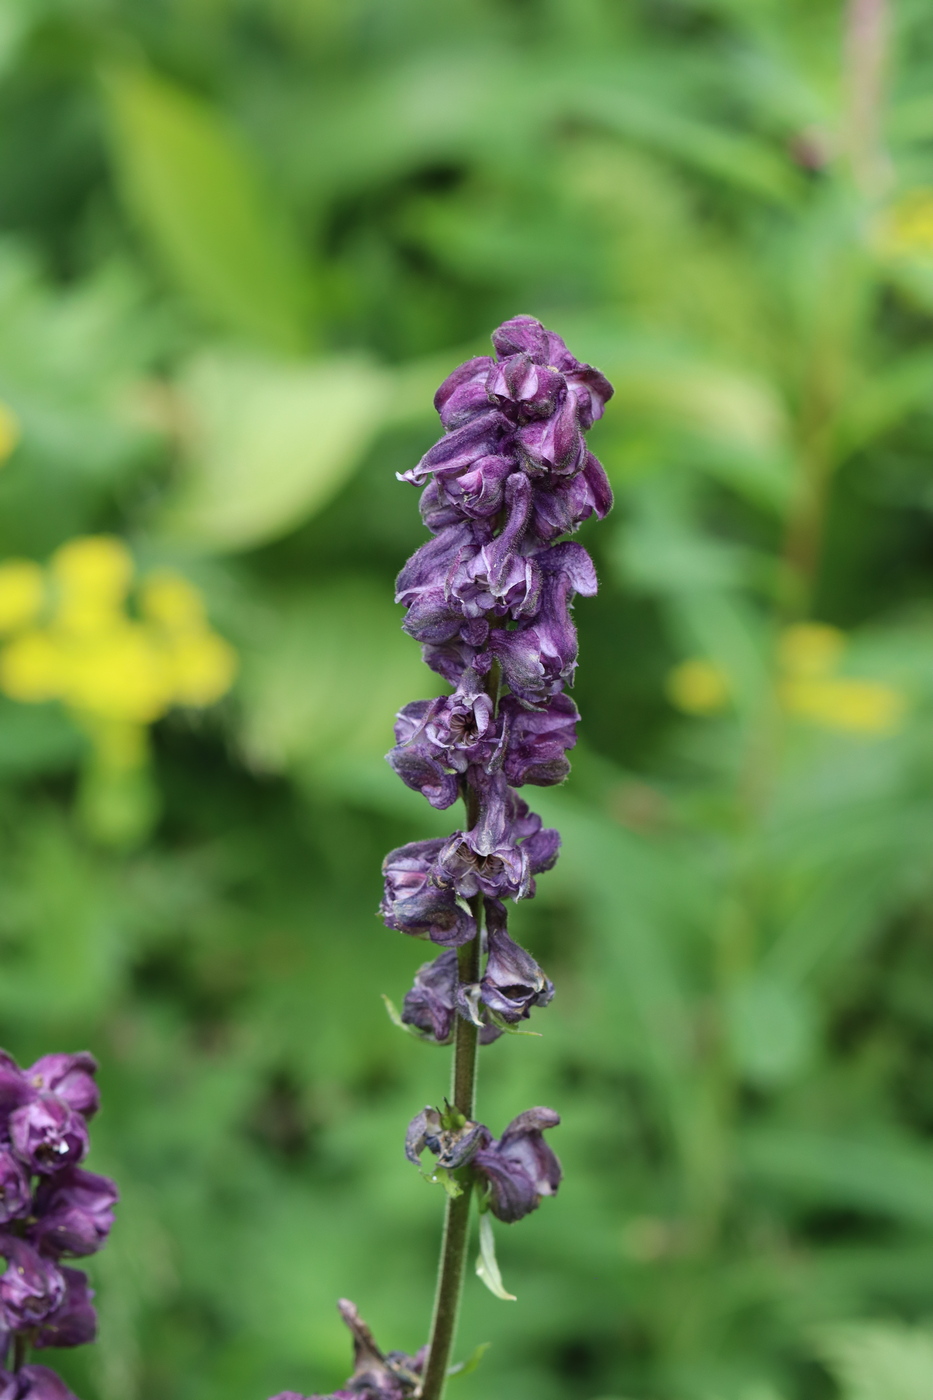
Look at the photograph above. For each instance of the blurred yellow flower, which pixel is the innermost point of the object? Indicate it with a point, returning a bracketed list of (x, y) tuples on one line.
[(861, 706), (908, 224), (30, 668), (9, 431), (22, 589), (116, 674), (698, 687), (810, 649), (808, 654), (167, 598), (202, 666)]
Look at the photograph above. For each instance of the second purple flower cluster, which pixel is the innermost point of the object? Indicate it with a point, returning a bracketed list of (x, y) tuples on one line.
[(489, 598), (50, 1209)]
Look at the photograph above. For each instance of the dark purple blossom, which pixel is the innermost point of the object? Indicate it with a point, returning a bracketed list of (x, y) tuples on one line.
[(432, 1004), (415, 903), (31, 1288), (454, 1143), (74, 1213), (74, 1321), (71, 1077), (520, 1168), (538, 740), (47, 1133), (34, 1383), (15, 1190), (512, 982)]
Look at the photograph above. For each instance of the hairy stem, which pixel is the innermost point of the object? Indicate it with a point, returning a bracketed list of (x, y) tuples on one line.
[(463, 1098)]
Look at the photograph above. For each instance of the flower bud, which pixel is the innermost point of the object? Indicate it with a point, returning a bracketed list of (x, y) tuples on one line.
[(74, 1321), (74, 1210)]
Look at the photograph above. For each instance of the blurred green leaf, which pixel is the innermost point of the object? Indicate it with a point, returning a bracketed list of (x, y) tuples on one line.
[(878, 1360), (193, 187), (268, 444)]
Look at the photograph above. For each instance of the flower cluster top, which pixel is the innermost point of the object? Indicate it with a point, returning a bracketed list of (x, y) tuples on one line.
[(489, 597), (50, 1209)]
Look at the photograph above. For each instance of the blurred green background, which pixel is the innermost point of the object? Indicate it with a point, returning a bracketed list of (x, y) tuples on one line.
[(242, 242)]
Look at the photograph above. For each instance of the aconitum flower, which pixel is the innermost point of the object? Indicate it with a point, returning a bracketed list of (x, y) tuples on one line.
[(34, 1383), (413, 902), (31, 1288), (74, 1211), (74, 1321), (520, 1168), (48, 1134), (15, 1190)]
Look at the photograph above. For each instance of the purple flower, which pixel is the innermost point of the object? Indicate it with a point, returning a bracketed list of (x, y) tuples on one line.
[(513, 982), (34, 1383), (15, 1190), (432, 1003), (31, 1288), (454, 1144), (525, 335), (463, 393), (538, 740), (520, 1168), (438, 739), (500, 854), (414, 903), (74, 1210), (48, 1134), (74, 1321), (539, 657), (71, 1077)]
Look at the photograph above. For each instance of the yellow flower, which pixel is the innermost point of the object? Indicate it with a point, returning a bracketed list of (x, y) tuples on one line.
[(810, 649), (202, 667), (860, 706), (908, 224), (698, 687), (31, 668), (94, 574), (9, 431), (119, 674), (170, 600), (22, 588), (808, 655)]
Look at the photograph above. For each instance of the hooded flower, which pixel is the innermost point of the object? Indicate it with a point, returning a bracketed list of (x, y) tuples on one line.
[(34, 1383), (432, 1004), (512, 982), (31, 1288), (415, 903), (74, 1321), (74, 1213), (538, 740), (47, 1133), (15, 1190), (520, 1168), (71, 1077)]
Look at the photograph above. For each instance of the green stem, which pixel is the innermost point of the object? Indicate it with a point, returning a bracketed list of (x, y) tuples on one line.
[(20, 1349), (463, 1098)]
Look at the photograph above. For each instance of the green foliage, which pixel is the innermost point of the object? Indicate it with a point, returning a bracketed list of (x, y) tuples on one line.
[(242, 243)]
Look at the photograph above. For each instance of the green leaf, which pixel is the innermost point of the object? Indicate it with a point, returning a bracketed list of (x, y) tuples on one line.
[(878, 1360), (486, 1266), (889, 1176), (465, 1368), (269, 443), (193, 187)]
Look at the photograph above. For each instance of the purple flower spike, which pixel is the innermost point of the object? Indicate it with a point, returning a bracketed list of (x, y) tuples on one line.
[(513, 982), (34, 1383), (47, 1134), (520, 1168), (15, 1191), (74, 1322), (74, 1211), (71, 1077), (414, 903), (31, 1289)]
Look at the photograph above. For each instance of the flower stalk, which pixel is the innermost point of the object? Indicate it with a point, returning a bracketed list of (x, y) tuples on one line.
[(489, 597)]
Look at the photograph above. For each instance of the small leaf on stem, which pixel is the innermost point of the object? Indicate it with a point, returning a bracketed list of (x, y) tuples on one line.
[(486, 1267)]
